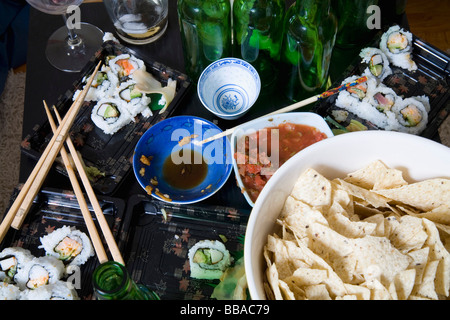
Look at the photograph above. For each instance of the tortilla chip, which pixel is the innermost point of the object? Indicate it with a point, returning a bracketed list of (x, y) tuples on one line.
[(425, 195), (317, 292), (372, 198), (376, 176), (426, 289), (362, 293), (419, 262), (409, 234), (377, 290), (438, 252), (404, 283), (286, 291), (272, 277), (351, 229), (313, 189), (307, 276)]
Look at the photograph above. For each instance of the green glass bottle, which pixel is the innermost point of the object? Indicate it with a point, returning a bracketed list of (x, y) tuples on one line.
[(353, 17), (205, 27), (309, 36), (257, 35), (112, 281)]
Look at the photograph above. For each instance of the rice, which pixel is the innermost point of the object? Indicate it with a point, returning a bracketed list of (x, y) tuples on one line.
[(369, 55), (59, 290), (9, 291)]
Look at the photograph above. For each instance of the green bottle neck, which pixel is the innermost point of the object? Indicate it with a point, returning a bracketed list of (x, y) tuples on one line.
[(111, 281)]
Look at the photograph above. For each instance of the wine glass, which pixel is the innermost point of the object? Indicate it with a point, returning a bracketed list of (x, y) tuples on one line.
[(70, 47)]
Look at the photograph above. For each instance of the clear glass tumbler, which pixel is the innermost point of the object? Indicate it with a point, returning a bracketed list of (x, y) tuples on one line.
[(138, 21)]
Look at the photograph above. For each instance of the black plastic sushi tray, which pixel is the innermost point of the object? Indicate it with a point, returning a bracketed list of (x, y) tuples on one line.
[(157, 237), (111, 155), (432, 78), (53, 209)]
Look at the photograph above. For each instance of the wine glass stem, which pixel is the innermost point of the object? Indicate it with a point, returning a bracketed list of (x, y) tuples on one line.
[(73, 39)]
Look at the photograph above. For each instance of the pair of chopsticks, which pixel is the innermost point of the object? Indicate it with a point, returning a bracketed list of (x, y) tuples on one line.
[(22, 204), (291, 107)]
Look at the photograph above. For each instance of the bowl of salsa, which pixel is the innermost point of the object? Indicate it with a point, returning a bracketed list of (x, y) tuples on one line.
[(261, 146)]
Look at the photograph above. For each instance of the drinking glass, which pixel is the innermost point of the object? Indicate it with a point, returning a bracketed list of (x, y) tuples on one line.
[(70, 47)]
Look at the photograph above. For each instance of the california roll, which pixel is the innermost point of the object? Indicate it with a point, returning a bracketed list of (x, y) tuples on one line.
[(110, 115), (396, 43), (69, 245), (377, 63), (412, 114), (124, 65), (42, 271), (13, 262)]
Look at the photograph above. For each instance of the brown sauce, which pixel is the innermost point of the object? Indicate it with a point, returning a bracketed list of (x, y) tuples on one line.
[(188, 174)]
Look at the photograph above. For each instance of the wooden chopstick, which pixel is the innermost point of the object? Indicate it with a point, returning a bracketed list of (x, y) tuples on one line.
[(289, 108), (95, 237), (110, 241), (35, 180)]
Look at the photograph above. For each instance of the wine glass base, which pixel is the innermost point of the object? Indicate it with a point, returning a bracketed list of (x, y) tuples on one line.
[(73, 58)]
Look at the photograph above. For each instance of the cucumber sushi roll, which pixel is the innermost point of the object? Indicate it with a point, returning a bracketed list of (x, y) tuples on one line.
[(124, 65), (135, 101), (412, 114), (13, 262), (59, 290), (377, 63), (110, 115), (42, 271), (208, 259), (68, 245), (396, 43)]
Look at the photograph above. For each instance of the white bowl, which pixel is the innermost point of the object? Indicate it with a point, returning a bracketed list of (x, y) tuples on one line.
[(229, 87), (306, 118), (418, 157)]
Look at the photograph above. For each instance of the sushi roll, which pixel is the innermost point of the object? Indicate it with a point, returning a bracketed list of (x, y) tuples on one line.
[(377, 63), (102, 86), (42, 271), (382, 98), (13, 262), (411, 114), (9, 291), (110, 115), (68, 245), (124, 65), (135, 101), (59, 290), (396, 43), (208, 259)]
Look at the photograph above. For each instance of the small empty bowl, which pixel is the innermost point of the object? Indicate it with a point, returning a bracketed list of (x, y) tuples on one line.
[(166, 144), (229, 87)]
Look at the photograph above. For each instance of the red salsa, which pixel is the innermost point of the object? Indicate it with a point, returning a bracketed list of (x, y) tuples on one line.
[(256, 160)]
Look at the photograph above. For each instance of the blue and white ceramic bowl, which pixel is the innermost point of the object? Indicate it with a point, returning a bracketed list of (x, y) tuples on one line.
[(229, 87), (162, 140)]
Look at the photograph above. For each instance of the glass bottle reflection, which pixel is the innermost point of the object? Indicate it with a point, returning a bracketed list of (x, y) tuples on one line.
[(309, 37)]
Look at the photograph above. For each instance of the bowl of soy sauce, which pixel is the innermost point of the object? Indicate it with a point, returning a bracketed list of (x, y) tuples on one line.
[(172, 165)]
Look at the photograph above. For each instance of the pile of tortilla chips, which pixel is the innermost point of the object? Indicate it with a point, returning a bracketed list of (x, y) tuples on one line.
[(370, 235)]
